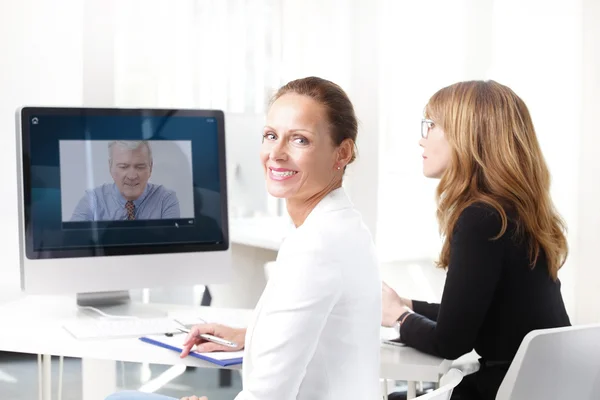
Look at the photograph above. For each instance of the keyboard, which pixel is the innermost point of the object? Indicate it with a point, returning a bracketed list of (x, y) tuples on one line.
[(108, 328)]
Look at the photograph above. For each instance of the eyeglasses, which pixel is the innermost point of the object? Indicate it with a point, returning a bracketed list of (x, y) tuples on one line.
[(426, 125)]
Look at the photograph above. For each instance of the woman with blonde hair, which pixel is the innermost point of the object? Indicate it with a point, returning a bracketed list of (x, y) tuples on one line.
[(504, 241)]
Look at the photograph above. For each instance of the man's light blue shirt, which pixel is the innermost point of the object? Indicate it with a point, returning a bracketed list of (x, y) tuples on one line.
[(105, 203)]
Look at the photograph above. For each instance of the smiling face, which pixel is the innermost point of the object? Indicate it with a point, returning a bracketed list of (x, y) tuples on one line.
[(130, 169), (298, 155)]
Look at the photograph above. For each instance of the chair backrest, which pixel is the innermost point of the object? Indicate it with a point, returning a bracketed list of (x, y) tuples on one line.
[(447, 384), (558, 363)]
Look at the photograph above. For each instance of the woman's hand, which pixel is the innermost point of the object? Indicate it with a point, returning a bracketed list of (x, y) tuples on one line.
[(393, 306), (235, 335), (195, 398)]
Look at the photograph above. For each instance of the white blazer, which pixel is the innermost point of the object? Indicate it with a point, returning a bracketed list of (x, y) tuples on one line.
[(315, 330)]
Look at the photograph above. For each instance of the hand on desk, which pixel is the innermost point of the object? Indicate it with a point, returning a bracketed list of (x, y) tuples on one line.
[(392, 306), (235, 335)]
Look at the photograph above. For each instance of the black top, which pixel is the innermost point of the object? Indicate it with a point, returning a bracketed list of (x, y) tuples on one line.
[(492, 296)]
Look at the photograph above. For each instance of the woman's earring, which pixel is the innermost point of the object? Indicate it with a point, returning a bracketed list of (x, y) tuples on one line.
[(339, 167)]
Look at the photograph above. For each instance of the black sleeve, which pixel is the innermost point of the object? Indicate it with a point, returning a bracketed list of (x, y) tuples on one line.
[(473, 273), (428, 310)]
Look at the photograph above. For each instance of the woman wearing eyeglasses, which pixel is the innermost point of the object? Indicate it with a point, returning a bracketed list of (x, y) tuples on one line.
[(503, 239)]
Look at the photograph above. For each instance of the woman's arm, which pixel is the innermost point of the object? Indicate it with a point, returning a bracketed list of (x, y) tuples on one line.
[(298, 303), (393, 306), (428, 310), (473, 273)]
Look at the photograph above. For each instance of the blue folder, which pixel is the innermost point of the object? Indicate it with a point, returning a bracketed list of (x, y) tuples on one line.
[(219, 360)]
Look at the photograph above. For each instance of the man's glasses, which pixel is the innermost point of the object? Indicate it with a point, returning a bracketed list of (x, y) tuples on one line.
[(426, 125)]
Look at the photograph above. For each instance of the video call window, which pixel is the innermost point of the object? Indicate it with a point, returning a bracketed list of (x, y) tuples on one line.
[(125, 180)]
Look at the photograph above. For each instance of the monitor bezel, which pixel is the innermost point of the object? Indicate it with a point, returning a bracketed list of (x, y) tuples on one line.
[(25, 182)]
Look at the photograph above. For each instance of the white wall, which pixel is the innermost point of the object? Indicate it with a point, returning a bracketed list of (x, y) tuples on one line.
[(98, 53), (41, 50), (587, 279), (425, 45), (247, 193), (362, 180)]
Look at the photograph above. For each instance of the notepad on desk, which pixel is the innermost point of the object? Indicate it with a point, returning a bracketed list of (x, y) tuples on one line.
[(389, 336), (222, 358)]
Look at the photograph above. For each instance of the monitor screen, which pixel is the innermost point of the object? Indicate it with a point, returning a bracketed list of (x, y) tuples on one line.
[(122, 181)]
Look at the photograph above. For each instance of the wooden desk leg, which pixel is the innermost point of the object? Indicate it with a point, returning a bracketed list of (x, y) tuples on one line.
[(411, 390)]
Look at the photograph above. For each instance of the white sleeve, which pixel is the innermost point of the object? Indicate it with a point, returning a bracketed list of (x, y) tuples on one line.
[(299, 301)]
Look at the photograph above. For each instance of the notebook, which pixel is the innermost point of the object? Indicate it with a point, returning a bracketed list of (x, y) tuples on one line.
[(389, 336), (222, 358)]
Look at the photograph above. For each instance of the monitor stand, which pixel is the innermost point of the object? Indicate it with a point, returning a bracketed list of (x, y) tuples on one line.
[(116, 304)]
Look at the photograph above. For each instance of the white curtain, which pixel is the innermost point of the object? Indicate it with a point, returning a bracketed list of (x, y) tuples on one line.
[(226, 54), (196, 53)]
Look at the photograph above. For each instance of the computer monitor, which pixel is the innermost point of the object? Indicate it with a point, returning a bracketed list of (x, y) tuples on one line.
[(116, 199)]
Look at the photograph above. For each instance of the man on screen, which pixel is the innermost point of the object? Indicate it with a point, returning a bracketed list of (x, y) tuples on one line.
[(130, 196)]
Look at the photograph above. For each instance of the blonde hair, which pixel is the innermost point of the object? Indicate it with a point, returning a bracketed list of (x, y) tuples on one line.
[(496, 159)]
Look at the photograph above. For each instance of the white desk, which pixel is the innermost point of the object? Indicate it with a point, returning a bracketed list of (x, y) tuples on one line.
[(261, 232), (408, 364), (33, 324)]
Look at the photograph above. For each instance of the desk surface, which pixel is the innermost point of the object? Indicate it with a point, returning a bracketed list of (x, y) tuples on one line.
[(263, 232), (33, 324)]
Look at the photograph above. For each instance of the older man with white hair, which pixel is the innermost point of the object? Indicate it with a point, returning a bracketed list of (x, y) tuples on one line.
[(130, 196)]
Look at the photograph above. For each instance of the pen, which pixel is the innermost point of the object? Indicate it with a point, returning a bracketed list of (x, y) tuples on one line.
[(212, 338)]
